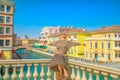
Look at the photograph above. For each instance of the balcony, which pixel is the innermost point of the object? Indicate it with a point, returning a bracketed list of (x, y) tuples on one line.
[(75, 69)]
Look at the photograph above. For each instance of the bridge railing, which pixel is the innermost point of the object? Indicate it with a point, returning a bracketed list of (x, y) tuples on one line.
[(76, 67)]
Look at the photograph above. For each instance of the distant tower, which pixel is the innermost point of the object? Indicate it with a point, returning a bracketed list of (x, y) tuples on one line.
[(7, 9)]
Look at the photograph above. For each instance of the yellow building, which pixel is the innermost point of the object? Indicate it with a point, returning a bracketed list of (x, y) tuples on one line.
[(78, 35), (104, 44)]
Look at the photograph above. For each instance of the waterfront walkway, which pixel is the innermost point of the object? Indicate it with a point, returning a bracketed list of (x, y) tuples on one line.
[(107, 64)]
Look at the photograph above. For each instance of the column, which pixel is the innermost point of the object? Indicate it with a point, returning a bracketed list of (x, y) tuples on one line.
[(28, 75), (35, 72), (21, 75), (73, 73), (78, 73), (115, 77), (6, 76), (42, 72), (97, 74), (84, 73), (90, 74), (14, 75), (48, 73), (105, 75)]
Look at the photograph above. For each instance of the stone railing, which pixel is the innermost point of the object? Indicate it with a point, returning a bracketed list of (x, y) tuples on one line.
[(75, 69)]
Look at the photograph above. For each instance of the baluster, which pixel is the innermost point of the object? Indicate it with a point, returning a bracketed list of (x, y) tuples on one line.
[(97, 75), (35, 72), (105, 75), (42, 72), (21, 76), (84, 74), (28, 73), (0, 73), (90, 73), (6, 76), (48, 73), (78, 73), (73, 74), (14, 75), (115, 77)]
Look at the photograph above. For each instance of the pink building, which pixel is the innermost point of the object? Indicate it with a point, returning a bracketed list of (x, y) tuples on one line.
[(46, 31), (7, 9)]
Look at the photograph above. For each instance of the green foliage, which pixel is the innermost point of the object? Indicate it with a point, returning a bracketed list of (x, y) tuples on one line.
[(15, 45)]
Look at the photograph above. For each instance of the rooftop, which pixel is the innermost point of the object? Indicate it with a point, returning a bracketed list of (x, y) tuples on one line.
[(107, 29), (8, 2), (70, 30)]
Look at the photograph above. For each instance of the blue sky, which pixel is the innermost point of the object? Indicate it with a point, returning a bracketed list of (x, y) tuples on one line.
[(32, 15)]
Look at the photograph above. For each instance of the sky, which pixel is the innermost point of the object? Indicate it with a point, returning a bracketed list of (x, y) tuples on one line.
[(32, 15)]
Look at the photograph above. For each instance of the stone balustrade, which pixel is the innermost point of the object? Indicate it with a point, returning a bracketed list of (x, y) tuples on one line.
[(76, 67)]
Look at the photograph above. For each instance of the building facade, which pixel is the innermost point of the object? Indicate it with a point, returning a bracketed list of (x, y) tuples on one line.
[(79, 36), (46, 31), (7, 9), (75, 35), (29, 42), (104, 44)]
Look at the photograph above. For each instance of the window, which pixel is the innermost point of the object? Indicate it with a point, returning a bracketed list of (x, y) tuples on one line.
[(86, 54), (8, 9), (109, 56), (105, 35), (1, 42), (1, 30), (2, 8), (90, 55), (115, 55), (119, 36), (102, 45), (74, 49), (115, 44), (8, 19), (90, 44), (102, 55), (2, 19), (56, 31), (7, 42), (7, 30), (108, 45), (109, 35), (115, 35), (96, 45)]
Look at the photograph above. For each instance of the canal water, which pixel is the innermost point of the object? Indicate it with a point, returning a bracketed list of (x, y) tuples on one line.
[(27, 54)]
